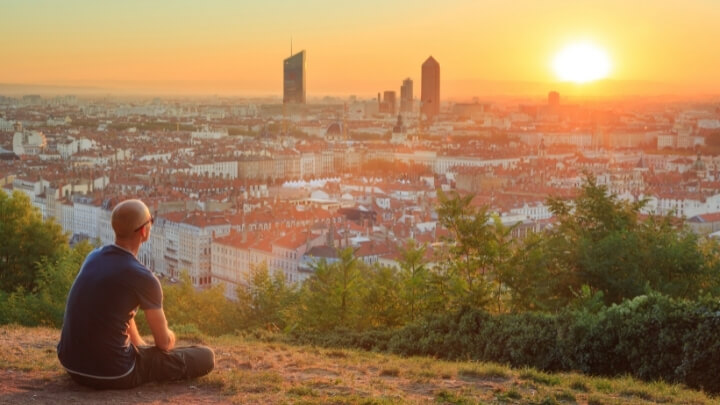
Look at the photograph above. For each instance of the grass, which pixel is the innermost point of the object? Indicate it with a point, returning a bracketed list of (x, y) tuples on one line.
[(250, 371)]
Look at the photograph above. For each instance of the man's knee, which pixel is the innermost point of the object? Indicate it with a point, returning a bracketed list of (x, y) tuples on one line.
[(199, 360)]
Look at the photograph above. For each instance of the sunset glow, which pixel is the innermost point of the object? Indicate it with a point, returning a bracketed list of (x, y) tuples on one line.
[(486, 47), (581, 63)]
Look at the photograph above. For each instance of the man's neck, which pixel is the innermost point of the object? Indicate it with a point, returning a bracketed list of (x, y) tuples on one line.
[(129, 246)]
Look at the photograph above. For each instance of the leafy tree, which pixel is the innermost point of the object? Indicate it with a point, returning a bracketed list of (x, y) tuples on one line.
[(478, 246), (45, 304), (606, 245), (414, 277), (268, 300), (25, 242), (382, 301), (331, 297), (208, 310)]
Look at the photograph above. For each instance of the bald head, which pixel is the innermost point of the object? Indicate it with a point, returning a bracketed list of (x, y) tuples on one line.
[(128, 216)]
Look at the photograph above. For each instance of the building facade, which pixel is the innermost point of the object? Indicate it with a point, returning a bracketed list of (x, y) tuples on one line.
[(294, 79), (430, 88)]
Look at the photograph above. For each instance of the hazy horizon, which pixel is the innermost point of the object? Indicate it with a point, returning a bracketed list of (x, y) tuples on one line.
[(485, 48), (459, 90)]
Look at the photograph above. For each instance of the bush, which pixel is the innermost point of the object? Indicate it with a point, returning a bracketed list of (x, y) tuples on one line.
[(650, 337)]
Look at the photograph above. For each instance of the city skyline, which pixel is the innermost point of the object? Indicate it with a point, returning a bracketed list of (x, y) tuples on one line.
[(487, 48)]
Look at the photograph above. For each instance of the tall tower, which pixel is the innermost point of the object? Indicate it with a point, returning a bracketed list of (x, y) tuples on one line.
[(294, 79), (406, 96), (430, 88), (553, 99)]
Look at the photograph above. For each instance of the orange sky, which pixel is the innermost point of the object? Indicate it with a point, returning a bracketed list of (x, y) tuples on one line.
[(485, 47)]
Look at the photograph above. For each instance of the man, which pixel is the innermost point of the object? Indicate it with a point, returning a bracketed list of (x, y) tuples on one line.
[(100, 345)]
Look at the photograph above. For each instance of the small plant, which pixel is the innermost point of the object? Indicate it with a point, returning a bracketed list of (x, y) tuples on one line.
[(447, 397), (484, 371), (540, 377), (638, 392), (565, 396), (603, 386), (302, 391), (579, 385)]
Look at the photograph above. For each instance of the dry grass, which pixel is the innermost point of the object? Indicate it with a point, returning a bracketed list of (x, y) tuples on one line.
[(251, 372)]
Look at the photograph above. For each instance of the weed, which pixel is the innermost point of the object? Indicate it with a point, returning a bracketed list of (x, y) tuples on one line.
[(484, 371), (565, 396), (579, 385), (447, 397), (302, 391), (540, 377)]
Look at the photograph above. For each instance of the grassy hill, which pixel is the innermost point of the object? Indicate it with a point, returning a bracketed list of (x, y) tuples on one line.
[(251, 372)]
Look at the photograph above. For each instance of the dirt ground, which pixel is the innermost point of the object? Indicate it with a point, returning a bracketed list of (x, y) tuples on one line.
[(21, 387), (31, 374)]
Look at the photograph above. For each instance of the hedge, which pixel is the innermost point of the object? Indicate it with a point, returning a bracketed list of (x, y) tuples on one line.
[(650, 337)]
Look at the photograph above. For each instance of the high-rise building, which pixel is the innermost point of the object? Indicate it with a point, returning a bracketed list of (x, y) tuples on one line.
[(388, 103), (553, 99), (406, 95), (430, 88), (294, 79)]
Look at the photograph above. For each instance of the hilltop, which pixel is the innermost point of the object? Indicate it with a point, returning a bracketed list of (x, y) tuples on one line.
[(262, 373)]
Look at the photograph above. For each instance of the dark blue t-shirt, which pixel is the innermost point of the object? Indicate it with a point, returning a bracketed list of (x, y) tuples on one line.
[(103, 299)]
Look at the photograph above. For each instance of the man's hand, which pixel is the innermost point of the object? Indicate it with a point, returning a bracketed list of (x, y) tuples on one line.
[(164, 337), (135, 337)]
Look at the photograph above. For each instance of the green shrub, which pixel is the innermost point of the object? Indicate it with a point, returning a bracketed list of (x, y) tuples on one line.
[(650, 337)]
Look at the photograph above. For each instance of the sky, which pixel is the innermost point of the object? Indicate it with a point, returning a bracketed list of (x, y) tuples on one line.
[(484, 47)]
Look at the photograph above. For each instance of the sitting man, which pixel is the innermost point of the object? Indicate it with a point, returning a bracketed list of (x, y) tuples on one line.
[(100, 345)]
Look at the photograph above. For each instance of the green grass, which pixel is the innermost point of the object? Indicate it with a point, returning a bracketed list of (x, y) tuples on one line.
[(540, 377)]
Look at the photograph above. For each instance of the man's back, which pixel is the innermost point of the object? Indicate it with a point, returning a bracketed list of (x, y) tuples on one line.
[(103, 299)]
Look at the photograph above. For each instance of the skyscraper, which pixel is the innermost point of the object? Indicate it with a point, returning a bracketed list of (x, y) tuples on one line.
[(389, 102), (406, 95), (553, 99), (294, 79), (430, 88)]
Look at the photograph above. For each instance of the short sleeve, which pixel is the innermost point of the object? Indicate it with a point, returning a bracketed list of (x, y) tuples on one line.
[(149, 292)]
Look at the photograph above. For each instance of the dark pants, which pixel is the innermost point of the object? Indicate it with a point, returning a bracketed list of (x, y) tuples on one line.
[(153, 364)]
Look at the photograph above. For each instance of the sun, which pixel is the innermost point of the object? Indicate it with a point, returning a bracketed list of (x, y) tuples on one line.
[(581, 62)]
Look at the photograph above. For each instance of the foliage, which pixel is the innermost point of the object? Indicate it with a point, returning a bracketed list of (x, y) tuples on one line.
[(605, 244), (478, 248), (45, 304), (383, 300), (332, 297), (414, 277), (208, 310), (26, 241), (651, 337), (267, 301)]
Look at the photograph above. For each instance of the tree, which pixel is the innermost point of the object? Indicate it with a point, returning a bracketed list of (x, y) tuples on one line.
[(331, 297), (477, 247), (45, 304), (25, 242), (606, 245), (208, 310), (268, 300), (414, 277), (382, 301)]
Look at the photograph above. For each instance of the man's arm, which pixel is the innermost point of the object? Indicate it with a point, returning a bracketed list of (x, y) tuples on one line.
[(135, 337), (164, 337)]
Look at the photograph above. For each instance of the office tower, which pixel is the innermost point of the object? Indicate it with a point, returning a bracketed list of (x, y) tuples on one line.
[(389, 102), (430, 88), (406, 95), (294, 79), (553, 99)]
